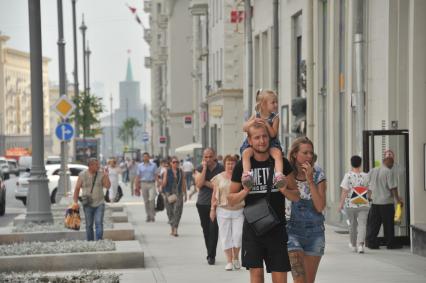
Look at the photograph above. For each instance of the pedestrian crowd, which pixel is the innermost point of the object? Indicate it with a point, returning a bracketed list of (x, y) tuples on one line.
[(267, 209)]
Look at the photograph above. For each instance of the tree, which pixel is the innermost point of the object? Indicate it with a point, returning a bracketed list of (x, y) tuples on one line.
[(90, 106), (128, 130)]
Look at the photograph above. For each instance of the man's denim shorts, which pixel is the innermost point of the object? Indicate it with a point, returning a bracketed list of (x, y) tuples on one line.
[(306, 237)]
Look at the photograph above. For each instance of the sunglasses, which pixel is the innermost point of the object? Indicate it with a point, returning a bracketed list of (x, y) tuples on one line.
[(175, 161)]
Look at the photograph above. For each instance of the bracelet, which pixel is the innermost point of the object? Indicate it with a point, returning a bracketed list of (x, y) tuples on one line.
[(213, 209)]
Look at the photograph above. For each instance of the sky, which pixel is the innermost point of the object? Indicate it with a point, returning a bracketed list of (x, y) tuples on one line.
[(112, 31)]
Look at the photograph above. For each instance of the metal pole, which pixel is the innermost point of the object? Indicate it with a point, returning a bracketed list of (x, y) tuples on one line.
[(206, 103), (38, 200), (76, 91), (83, 29), (112, 128), (359, 74), (63, 176), (275, 11), (88, 53), (249, 54)]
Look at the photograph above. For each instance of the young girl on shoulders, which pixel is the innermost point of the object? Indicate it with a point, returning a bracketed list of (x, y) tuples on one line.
[(267, 114)]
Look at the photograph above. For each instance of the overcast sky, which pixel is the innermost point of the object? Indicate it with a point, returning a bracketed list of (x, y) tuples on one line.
[(112, 30)]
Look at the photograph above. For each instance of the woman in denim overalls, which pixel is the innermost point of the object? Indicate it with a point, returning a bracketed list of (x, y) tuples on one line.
[(305, 228)]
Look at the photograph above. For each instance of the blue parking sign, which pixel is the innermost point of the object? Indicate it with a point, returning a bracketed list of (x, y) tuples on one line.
[(64, 131)]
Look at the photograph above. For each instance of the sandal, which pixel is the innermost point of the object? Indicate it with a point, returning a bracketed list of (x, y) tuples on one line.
[(247, 180), (279, 180)]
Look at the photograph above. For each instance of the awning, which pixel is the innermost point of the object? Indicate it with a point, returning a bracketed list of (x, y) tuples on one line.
[(187, 149)]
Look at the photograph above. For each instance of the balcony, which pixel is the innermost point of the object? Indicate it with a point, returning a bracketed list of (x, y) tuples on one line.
[(198, 7), (147, 6), (162, 21), (147, 35), (148, 62)]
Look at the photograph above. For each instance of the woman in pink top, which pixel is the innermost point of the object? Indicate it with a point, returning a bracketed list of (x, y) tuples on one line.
[(229, 218)]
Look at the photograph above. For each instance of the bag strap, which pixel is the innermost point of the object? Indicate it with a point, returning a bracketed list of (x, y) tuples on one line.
[(94, 180), (269, 181)]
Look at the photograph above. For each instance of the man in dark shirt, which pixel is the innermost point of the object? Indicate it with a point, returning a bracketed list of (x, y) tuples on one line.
[(271, 247), (208, 169)]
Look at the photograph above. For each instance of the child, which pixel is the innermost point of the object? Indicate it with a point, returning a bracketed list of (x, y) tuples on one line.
[(266, 112)]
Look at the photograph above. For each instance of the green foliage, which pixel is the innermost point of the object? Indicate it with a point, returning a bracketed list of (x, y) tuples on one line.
[(128, 130), (88, 119)]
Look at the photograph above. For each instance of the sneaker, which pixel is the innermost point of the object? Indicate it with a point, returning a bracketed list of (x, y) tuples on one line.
[(236, 263), (247, 180), (352, 247), (279, 180), (361, 249), (229, 266), (210, 260)]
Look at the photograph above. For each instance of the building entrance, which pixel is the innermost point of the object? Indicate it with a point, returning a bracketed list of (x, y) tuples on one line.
[(375, 143)]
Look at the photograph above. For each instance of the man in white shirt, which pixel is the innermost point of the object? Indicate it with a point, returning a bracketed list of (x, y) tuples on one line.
[(188, 169)]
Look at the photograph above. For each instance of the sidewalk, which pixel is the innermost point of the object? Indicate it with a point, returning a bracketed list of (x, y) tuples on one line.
[(183, 259)]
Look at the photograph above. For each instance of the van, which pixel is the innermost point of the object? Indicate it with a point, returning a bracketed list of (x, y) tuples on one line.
[(24, 163)]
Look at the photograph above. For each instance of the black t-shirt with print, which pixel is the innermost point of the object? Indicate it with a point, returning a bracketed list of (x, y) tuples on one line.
[(260, 176)]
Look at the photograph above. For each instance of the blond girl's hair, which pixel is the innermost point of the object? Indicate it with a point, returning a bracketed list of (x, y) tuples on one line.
[(294, 149), (261, 96)]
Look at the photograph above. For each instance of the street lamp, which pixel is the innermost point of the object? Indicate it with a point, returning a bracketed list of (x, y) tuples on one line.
[(88, 52), (83, 29), (38, 205), (76, 94)]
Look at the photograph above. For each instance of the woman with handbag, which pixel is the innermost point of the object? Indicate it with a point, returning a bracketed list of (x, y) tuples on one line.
[(174, 188), (305, 229), (230, 218)]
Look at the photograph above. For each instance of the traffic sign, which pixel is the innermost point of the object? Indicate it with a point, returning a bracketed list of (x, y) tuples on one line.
[(64, 106), (145, 137), (162, 141), (64, 131)]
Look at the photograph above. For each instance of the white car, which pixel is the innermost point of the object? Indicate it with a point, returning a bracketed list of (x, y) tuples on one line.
[(52, 172)]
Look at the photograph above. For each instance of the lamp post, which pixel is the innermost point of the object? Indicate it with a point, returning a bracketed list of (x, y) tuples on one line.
[(76, 94), (63, 176), (38, 200), (83, 29), (88, 52)]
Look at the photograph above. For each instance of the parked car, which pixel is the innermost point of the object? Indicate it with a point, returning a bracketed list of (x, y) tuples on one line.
[(24, 163), (4, 168), (53, 159), (13, 166), (2, 198), (52, 172)]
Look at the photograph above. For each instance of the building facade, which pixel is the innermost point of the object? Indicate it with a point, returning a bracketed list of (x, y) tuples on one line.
[(15, 99), (359, 69)]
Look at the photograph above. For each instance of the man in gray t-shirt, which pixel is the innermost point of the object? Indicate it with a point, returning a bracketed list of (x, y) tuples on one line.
[(383, 185), (208, 169)]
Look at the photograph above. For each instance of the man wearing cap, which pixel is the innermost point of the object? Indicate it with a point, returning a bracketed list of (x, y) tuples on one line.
[(383, 184)]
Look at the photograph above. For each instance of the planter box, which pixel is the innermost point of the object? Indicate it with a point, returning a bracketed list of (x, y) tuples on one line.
[(128, 254), (120, 232)]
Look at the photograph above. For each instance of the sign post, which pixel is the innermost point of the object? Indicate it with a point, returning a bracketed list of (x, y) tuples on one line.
[(64, 107)]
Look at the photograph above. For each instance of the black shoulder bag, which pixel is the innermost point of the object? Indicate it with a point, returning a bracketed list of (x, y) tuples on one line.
[(260, 215)]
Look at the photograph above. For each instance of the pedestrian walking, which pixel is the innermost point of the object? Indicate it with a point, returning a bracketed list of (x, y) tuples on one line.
[(306, 239), (188, 169), (267, 114), (133, 171), (204, 173), (145, 182), (92, 181), (229, 217), (174, 189), (384, 188), (264, 204), (114, 174), (354, 201)]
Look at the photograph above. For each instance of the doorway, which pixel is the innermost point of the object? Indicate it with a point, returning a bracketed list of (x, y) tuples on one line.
[(375, 143)]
